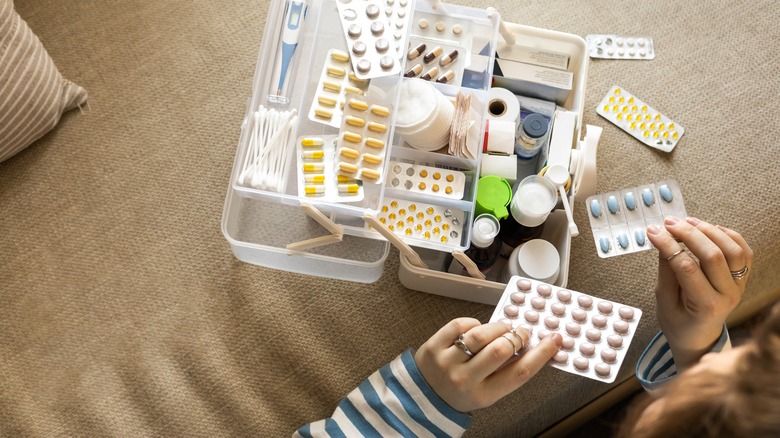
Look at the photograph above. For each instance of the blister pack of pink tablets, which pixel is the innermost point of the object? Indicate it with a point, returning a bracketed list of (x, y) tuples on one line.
[(596, 332)]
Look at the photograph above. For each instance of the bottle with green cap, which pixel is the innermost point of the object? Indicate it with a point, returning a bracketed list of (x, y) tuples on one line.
[(493, 197)]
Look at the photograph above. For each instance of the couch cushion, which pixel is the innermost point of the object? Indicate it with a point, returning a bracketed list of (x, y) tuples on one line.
[(33, 93)]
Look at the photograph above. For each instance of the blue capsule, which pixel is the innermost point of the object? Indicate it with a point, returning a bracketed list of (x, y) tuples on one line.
[(666, 193), (605, 244), (639, 236), (630, 201), (648, 198), (612, 205), (623, 241), (595, 208)]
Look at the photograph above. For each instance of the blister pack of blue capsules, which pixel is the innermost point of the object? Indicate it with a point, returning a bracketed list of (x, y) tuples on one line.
[(619, 219)]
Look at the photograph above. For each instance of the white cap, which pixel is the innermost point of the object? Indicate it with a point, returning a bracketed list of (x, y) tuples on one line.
[(486, 228), (540, 260), (533, 201)]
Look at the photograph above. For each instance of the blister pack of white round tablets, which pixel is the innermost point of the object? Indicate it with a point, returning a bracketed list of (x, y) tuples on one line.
[(638, 119), (418, 221), (619, 219), (336, 80), (596, 332), (620, 47), (372, 41), (429, 180)]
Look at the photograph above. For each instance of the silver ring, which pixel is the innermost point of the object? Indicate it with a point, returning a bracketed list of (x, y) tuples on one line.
[(462, 345), (672, 256), (514, 347), (522, 342), (736, 275)]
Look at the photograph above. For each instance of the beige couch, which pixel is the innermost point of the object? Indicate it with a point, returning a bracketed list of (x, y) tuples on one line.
[(124, 312)]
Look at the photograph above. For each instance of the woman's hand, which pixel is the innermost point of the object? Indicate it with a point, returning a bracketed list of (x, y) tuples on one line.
[(467, 383), (694, 299)]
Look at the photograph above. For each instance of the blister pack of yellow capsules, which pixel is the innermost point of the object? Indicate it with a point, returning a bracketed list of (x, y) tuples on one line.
[(640, 120)]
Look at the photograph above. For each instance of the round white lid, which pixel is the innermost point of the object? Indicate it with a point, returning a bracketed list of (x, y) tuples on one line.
[(485, 230)]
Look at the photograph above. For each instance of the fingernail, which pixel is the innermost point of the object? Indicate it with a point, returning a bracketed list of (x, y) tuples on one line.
[(671, 220), (558, 339), (693, 221), (654, 229)]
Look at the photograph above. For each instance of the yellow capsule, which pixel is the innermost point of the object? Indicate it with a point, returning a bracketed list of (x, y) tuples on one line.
[(355, 121), (352, 137), (326, 101), (384, 209), (349, 188), (615, 108), (394, 204), (402, 212), (436, 176), (336, 72), (408, 231), (448, 190), (353, 90), (437, 218), (358, 105), (661, 126), (671, 126), (652, 126), (421, 186), (430, 210), (666, 134), (356, 79), (641, 126), (611, 99), (445, 227), (377, 127), (657, 117), (314, 190), (424, 173), (629, 117), (383, 220), (312, 142), (450, 178), (619, 116), (418, 227), (372, 159), (444, 239), (630, 100), (331, 86), (427, 235), (348, 168), (344, 179), (375, 143), (633, 108), (606, 108), (633, 125), (313, 167), (340, 56), (625, 109), (435, 188), (400, 224), (323, 113), (644, 108), (410, 219), (380, 111), (622, 99), (392, 216), (370, 174), (413, 207), (647, 117), (314, 179), (617, 90), (675, 135), (349, 153), (655, 134), (645, 134), (391, 227), (436, 231), (313, 155), (428, 222), (420, 215)]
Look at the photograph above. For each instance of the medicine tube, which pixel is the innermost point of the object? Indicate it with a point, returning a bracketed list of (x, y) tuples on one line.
[(531, 136), (532, 202)]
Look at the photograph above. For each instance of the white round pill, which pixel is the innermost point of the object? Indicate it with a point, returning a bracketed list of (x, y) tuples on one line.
[(621, 52), (593, 335), (605, 307), (561, 357), (544, 290), (630, 42), (377, 28), (382, 45), (558, 309), (364, 65), (531, 316), (457, 29), (626, 313), (585, 301), (372, 11), (599, 321), (401, 14), (563, 295), (602, 369), (387, 62), (581, 364), (511, 311), (423, 23), (579, 315), (573, 329), (619, 41), (642, 53), (567, 344), (517, 298), (608, 355), (551, 322), (538, 303), (640, 42), (587, 349), (523, 285), (403, 3), (620, 327), (610, 52), (359, 49), (354, 31), (440, 26), (615, 341), (389, 11)]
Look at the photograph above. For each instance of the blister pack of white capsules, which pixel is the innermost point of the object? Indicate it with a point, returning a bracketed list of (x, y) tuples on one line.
[(317, 178), (420, 221), (428, 180), (337, 79), (371, 39), (620, 47), (638, 119), (438, 48), (619, 219), (362, 144), (596, 333)]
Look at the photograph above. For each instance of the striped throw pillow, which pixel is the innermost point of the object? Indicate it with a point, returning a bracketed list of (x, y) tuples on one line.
[(33, 93)]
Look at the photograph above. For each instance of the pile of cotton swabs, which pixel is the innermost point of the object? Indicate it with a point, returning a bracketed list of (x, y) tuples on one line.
[(271, 142)]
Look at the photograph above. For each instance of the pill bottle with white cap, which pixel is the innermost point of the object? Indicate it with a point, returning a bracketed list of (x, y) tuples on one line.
[(532, 202), (537, 259), (485, 248)]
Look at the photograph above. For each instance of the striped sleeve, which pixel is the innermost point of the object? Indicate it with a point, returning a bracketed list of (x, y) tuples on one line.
[(394, 401), (656, 365)]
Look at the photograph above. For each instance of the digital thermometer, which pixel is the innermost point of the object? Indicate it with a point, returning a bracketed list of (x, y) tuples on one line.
[(295, 14)]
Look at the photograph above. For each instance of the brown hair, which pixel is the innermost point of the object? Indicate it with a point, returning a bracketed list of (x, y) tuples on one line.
[(705, 404)]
